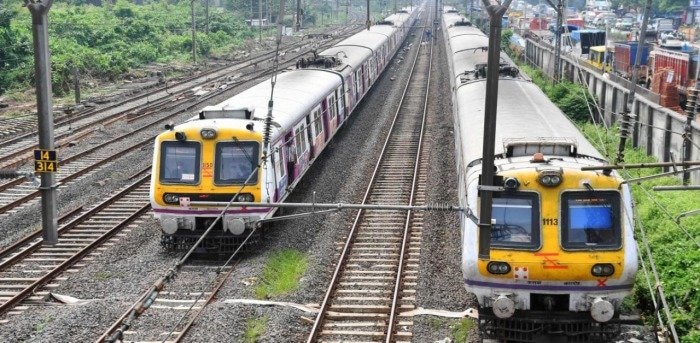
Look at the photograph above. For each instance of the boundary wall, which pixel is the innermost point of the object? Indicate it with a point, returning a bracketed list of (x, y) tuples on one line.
[(657, 129)]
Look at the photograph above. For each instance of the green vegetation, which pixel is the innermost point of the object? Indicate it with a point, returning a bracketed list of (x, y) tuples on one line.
[(46, 320), (460, 331), (676, 255), (281, 273), (254, 327), (105, 42), (658, 6), (571, 98)]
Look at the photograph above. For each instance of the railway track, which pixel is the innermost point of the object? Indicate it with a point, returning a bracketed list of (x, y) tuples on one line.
[(18, 149), (16, 194), (174, 311), (28, 268), (375, 278)]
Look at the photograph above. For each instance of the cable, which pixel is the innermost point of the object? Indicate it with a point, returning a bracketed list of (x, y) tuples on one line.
[(657, 279)]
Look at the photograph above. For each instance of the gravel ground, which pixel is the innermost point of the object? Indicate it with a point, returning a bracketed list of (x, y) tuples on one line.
[(440, 284)]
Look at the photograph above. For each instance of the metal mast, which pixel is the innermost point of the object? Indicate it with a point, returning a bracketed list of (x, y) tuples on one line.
[(629, 104), (42, 68), (557, 38), (495, 11)]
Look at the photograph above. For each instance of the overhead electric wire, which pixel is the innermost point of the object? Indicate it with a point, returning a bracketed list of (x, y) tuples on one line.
[(657, 279)]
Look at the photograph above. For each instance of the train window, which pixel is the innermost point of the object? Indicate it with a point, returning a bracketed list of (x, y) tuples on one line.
[(179, 162), (235, 161), (279, 168), (332, 105), (341, 101), (318, 122), (300, 140), (591, 220), (517, 220)]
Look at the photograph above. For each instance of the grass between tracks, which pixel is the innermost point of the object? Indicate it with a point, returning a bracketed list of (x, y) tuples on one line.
[(675, 253), (281, 273), (254, 328)]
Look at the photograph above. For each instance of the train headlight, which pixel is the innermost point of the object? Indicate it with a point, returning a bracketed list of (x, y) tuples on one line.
[(245, 197), (208, 133), (498, 267), (602, 269), (180, 136), (171, 198), (550, 178), (511, 183)]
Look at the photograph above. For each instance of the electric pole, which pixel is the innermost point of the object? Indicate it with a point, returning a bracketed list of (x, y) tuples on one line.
[(557, 38), (260, 16), (206, 11), (629, 104), (298, 19), (194, 34), (42, 68), (369, 22), (495, 12)]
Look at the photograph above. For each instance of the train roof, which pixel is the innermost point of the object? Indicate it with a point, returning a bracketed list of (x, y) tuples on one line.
[(525, 114), (467, 52), (348, 55), (296, 94), (451, 18), (372, 38), (353, 50)]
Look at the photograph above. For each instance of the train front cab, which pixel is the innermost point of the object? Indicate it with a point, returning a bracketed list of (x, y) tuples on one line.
[(201, 163), (562, 257)]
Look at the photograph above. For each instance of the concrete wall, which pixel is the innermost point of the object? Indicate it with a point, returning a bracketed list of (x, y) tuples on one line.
[(658, 130)]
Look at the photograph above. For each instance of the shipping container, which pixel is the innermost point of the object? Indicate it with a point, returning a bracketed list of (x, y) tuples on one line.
[(538, 24), (578, 22), (683, 65), (588, 38), (625, 54)]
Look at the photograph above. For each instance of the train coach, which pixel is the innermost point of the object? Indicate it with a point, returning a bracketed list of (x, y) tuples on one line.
[(218, 155), (563, 254)]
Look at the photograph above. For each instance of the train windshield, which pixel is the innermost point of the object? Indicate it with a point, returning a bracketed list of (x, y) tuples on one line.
[(591, 220), (179, 162), (516, 219), (235, 161)]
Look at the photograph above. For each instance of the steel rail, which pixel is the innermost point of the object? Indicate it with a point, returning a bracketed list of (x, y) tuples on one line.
[(10, 249), (28, 290), (73, 223), (399, 274), (316, 329)]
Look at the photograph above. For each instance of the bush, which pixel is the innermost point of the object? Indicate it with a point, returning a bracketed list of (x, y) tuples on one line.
[(107, 41)]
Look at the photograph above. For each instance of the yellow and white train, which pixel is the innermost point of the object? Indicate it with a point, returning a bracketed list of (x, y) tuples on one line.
[(563, 254), (218, 154)]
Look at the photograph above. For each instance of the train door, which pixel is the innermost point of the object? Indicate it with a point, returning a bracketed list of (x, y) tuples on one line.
[(358, 85), (325, 114), (349, 96), (365, 76), (316, 139), (341, 104), (301, 148), (333, 118), (290, 148), (278, 163)]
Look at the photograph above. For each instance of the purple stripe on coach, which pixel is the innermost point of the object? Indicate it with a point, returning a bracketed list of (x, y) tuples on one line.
[(546, 287), (194, 212)]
